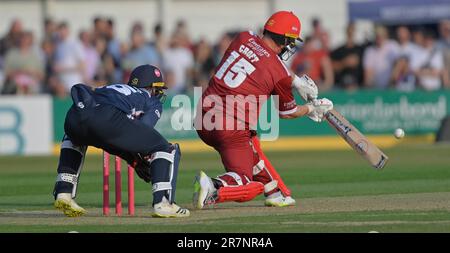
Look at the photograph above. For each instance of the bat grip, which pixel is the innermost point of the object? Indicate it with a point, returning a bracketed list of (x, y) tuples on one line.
[(310, 99)]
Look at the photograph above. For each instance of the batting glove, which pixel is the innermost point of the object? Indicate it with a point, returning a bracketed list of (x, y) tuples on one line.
[(318, 108)]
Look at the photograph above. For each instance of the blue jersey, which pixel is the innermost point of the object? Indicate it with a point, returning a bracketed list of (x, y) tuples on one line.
[(137, 103)]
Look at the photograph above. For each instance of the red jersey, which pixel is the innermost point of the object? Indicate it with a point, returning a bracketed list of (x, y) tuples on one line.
[(249, 73)]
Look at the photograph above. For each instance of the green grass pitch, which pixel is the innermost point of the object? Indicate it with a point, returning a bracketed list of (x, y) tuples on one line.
[(336, 191)]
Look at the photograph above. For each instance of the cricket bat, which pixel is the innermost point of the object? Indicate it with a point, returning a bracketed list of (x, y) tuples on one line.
[(356, 139)]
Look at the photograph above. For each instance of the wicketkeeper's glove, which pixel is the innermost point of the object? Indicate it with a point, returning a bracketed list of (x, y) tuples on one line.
[(142, 168)]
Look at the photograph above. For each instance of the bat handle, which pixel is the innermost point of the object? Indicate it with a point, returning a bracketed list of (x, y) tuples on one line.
[(310, 99)]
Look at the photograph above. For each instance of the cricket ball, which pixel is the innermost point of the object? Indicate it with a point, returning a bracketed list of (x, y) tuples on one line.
[(399, 133)]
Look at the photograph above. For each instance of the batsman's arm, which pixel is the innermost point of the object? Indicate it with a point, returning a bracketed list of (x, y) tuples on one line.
[(307, 90), (287, 105), (302, 110)]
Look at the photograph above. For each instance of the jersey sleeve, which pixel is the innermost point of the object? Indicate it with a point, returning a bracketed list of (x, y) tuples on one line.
[(149, 119), (152, 112), (286, 100)]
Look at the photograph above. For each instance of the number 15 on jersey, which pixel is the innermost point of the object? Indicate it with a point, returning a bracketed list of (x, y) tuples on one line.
[(238, 72)]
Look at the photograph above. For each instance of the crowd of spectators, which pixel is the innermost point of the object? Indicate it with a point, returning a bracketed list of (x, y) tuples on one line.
[(412, 58), (409, 59)]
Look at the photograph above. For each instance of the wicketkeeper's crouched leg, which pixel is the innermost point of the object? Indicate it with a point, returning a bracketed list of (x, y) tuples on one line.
[(111, 130), (69, 167), (155, 160)]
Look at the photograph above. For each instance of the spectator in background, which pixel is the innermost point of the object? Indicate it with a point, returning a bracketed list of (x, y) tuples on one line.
[(444, 45), (50, 30), (24, 68), (124, 49), (321, 39), (183, 35), (69, 62), (160, 44), (137, 27), (418, 36), (106, 70), (346, 61), (428, 64), (444, 34), (140, 52), (48, 49), (179, 62), (203, 63), (11, 39), (222, 45), (159, 41), (402, 77), (100, 27), (405, 46), (314, 63), (113, 48), (379, 59), (91, 56)]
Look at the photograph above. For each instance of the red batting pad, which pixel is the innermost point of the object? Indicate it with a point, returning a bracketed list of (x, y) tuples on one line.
[(240, 193)]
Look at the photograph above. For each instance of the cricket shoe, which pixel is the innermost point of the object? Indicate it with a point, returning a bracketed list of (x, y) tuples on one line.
[(70, 208), (166, 210), (277, 199), (204, 191)]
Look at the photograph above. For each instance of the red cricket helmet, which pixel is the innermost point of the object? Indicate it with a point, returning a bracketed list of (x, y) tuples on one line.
[(284, 23)]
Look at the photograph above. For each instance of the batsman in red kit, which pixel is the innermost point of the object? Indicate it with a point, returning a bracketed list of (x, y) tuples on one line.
[(251, 71)]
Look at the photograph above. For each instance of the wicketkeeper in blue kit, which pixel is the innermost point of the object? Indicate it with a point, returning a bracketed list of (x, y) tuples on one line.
[(120, 119)]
